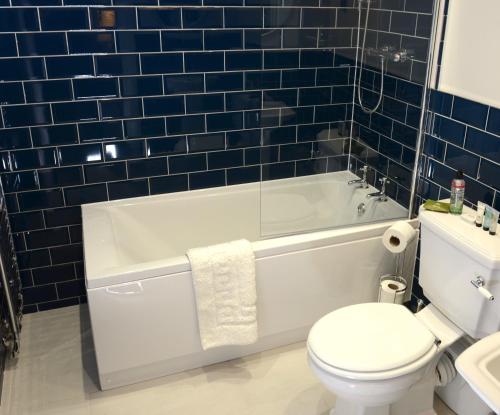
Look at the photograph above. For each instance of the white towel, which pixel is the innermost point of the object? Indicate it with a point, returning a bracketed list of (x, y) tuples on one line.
[(226, 297)]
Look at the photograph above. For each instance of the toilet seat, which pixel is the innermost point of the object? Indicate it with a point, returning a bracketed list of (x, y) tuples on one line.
[(371, 341)]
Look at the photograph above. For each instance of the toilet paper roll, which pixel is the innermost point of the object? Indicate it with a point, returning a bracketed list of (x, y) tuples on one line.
[(392, 291), (398, 236)]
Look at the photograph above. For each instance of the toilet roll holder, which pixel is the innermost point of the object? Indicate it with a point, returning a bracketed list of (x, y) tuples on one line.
[(396, 278)]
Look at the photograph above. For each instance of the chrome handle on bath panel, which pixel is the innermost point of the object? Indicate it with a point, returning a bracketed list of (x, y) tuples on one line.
[(479, 284), (131, 291)]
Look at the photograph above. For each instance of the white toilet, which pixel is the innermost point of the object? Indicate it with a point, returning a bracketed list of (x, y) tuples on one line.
[(380, 359)]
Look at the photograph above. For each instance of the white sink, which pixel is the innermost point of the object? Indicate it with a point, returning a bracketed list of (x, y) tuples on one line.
[(480, 367)]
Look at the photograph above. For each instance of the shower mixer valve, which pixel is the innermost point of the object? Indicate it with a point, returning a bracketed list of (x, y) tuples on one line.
[(390, 53)]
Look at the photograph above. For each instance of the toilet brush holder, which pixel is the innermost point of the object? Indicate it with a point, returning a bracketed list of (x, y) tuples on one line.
[(392, 289)]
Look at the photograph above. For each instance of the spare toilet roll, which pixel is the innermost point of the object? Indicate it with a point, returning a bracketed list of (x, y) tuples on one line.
[(398, 236), (392, 291)]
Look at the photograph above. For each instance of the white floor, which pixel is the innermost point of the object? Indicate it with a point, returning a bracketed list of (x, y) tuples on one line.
[(55, 374)]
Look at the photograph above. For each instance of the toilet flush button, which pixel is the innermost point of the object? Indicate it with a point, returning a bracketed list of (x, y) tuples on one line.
[(479, 284)]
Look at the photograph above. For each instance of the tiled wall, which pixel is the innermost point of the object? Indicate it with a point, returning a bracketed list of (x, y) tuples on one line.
[(386, 140), (105, 99), (461, 135)]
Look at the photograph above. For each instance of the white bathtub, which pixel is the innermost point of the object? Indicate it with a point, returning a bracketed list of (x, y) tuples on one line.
[(138, 278)]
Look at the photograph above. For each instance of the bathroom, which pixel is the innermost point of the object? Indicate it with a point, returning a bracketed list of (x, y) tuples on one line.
[(289, 140)]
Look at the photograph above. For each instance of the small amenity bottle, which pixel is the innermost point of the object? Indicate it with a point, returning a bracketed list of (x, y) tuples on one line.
[(457, 193)]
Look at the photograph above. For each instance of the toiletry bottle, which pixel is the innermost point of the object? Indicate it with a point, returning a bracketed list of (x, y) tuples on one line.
[(457, 193), (480, 213), (488, 218), (494, 221)]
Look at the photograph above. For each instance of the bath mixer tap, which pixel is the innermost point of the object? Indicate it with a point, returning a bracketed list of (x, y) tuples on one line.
[(363, 182), (381, 195)]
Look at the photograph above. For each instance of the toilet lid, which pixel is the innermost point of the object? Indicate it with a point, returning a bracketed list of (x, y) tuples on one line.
[(370, 337)]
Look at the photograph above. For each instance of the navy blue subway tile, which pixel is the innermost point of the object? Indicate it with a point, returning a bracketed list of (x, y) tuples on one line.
[(173, 40), (32, 259), (262, 39), (434, 148), (334, 38), (276, 171), (121, 108), (64, 18), (277, 98), (299, 151), (33, 295), (75, 111), (91, 42), (187, 163), (244, 138), (180, 2), (141, 86), (144, 127), (405, 134), (225, 121), (281, 59), (242, 175), (47, 91), (40, 199), (298, 115), (243, 60), (100, 131), (26, 115), (168, 184), (69, 66), (204, 103), (460, 159), (313, 132), (262, 118), (124, 150), (315, 96), (314, 17), (484, 144), (19, 181), (300, 38), (64, 255), (330, 113), (223, 81), (494, 121), (419, 6), (204, 61), (262, 79), (202, 180), (105, 172), (223, 39), (163, 18), (183, 83), (281, 17), (279, 135), (30, 159), (113, 18), (137, 41), (18, 19), (243, 17), (206, 142), (166, 146), (14, 138), (173, 105), (449, 130), (390, 148), (8, 45), (58, 177), (202, 18), (128, 188), (17, 69), (298, 78), (489, 174), (187, 124), (147, 167), (80, 195), (80, 154), (236, 101), (316, 58), (160, 64), (110, 65), (36, 44), (470, 112), (269, 154), (409, 92), (54, 135), (95, 88), (404, 23)]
